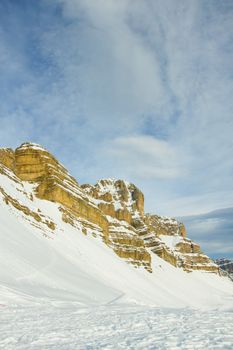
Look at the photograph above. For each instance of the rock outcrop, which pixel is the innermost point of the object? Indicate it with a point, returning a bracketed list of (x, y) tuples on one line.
[(123, 204), (111, 209), (7, 157), (33, 163), (226, 266)]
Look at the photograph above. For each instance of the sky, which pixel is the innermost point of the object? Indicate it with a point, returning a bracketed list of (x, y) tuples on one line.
[(133, 89), (212, 231)]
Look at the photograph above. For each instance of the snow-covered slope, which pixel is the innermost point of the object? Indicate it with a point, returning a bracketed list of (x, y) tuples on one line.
[(38, 263), (59, 245)]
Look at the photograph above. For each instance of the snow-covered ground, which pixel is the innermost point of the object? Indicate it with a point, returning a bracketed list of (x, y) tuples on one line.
[(66, 326), (62, 289), (70, 266)]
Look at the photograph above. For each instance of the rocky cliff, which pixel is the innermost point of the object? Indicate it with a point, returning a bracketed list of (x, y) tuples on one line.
[(226, 265), (111, 209)]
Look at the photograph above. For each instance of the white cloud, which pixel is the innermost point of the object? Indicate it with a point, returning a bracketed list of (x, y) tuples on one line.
[(144, 157), (207, 226), (147, 146), (114, 72)]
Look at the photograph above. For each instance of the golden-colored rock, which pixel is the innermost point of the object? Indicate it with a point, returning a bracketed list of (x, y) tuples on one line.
[(182, 230), (164, 253), (112, 209), (7, 157), (188, 246), (123, 214), (26, 211), (33, 163), (138, 197), (117, 198), (107, 208), (164, 225)]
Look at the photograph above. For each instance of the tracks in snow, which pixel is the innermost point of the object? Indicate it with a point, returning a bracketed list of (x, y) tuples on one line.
[(114, 327)]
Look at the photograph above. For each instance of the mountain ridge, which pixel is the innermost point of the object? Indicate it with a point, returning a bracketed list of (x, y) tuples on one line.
[(60, 244), (226, 266), (112, 208)]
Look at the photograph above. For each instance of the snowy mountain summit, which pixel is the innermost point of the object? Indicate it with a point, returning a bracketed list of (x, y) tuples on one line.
[(93, 244)]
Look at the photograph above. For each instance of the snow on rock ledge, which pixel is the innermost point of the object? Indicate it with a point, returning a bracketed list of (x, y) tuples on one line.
[(112, 209)]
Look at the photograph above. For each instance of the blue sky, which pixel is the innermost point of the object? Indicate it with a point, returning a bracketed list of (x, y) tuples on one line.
[(133, 89), (213, 231)]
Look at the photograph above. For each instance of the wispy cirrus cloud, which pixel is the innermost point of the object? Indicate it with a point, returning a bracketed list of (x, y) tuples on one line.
[(134, 89), (145, 156)]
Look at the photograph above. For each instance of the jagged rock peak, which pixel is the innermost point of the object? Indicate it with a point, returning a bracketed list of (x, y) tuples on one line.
[(123, 195), (165, 225), (112, 209)]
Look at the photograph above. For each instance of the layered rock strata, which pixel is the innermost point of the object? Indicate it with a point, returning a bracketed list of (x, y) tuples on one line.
[(34, 164), (123, 203), (112, 209)]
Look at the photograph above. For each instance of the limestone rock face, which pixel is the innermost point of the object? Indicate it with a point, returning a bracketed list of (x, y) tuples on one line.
[(164, 225), (123, 203), (32, 163), (166, 237), (117, 198), (54, 183), (7, 157), (111, 209), (126, 243)]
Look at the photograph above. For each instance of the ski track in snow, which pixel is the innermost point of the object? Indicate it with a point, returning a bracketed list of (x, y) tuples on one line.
[(66, 326)]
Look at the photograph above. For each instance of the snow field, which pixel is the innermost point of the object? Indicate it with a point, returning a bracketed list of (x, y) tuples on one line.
[(114, 327), (65, 290)]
